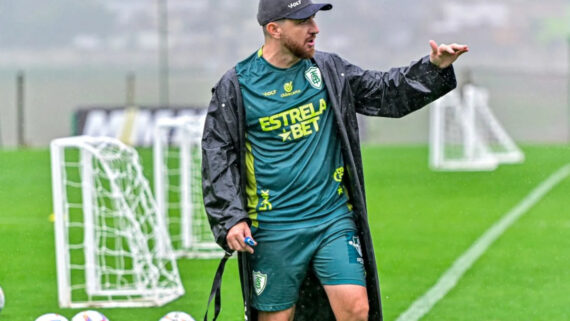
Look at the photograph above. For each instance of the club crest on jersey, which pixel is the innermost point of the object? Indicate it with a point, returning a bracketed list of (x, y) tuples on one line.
[(259, 282), (314, 78)]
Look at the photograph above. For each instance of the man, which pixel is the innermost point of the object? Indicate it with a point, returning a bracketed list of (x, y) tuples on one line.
[(282, 165)]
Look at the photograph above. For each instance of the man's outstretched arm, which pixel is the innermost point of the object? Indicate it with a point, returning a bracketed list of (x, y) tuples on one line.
[(402, 90)]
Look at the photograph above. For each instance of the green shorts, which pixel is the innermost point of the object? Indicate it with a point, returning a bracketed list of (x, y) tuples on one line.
[(282, 259)]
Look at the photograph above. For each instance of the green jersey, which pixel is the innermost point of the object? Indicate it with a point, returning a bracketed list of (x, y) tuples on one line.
[(293, 159)]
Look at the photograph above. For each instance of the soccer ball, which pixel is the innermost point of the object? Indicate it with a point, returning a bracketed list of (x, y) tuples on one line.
[(89, 315), (51, 317), (177, 316), (2, 300)]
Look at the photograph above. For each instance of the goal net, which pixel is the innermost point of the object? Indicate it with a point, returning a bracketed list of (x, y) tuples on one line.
[(178, 186), (465, 135), (112, 248)]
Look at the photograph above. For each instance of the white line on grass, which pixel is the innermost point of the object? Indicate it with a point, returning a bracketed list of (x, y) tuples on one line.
[(449, 279)]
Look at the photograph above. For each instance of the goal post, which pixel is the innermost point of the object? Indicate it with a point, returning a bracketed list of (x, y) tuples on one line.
[(466, 135), (499, 143), (178, 186), (112, 249)]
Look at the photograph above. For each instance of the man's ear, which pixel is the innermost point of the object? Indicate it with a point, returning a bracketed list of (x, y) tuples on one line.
[(273, 29)]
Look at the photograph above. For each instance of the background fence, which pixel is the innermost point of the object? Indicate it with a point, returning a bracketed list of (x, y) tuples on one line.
[(75, 54)]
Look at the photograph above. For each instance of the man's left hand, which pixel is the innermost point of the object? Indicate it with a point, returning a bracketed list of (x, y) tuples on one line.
[(444, 55)]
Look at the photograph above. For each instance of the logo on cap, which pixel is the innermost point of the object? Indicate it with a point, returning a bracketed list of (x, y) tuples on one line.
[(294, 4)]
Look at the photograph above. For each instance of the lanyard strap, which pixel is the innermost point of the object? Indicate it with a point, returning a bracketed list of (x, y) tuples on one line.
[(217, 288)]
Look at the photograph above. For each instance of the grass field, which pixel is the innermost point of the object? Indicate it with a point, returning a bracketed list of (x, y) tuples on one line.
[(421, 221)]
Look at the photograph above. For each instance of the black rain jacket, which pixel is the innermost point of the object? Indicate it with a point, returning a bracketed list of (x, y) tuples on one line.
[(351, 90)]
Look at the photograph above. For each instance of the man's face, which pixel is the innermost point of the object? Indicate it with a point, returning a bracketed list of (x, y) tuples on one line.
[(298, 36)]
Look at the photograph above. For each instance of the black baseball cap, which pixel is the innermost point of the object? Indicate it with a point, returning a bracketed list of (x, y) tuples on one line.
[(273, 10)]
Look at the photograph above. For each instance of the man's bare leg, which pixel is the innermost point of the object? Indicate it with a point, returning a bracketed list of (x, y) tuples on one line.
[(285, 315), (349, 302)]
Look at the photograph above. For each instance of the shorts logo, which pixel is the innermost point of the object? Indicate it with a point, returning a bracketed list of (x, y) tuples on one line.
[(356, 255), (314, 77), (259, 282)]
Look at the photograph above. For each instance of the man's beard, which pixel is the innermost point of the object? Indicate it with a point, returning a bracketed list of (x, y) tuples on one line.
[(298, 49)]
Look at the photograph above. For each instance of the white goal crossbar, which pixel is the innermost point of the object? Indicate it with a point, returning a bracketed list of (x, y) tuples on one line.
[(112, 249)]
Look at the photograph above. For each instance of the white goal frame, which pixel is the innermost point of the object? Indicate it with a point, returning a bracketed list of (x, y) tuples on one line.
[(178, 186), (465, 135), (112, 249)]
